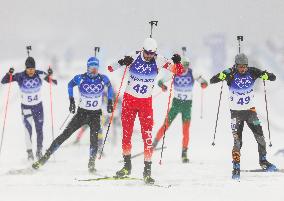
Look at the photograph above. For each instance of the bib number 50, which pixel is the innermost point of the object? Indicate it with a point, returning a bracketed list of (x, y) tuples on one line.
[(91, 103)]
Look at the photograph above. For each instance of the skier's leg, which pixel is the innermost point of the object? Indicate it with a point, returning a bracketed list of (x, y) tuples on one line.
[(27, 120), (95, 126), (128, 115), (255, 126), (185, 109), (145, 115), (237, 125), (38, 117), (76, 122)]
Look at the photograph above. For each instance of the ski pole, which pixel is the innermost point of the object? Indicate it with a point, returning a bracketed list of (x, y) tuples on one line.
[(213, 143), (152, 23), (51, 105), (270, 144), (183, 51), (167, 119), (114, 107), (201, 106), (6, 110), (65, 121)]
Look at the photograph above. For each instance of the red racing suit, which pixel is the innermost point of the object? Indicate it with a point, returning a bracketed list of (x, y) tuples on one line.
[(137, 98)]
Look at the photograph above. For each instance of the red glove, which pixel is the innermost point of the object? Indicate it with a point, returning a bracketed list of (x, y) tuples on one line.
[(178, 69), (204, 85), (110, 69)]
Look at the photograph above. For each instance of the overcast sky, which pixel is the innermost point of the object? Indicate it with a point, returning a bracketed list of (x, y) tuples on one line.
[(122, 25)]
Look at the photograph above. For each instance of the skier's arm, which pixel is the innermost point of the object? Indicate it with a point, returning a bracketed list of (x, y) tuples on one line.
[(220, 76), (203, 83), (166, 77), (173, 65), (109, 87), (125, 61), (257, 73), (49, 74), (6, 78), (74, 82)]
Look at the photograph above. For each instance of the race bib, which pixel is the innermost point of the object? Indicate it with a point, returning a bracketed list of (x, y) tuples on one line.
[(90, 103), (31, 98), (183, 95)]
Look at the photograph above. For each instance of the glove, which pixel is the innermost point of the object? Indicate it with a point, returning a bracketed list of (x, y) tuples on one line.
[(222, 76), (49, 71), (176, 58), (204, 85), (163, 87), (109, 106), (126, 61), (11, 70), (72, 106), (264, 76)]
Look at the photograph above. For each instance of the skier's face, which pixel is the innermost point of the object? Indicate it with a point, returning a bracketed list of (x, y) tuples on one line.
[(93, 70), (242, 68), (30, 71), (148, 56)]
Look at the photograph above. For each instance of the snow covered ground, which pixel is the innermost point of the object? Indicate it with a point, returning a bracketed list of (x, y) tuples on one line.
[(206, 177)]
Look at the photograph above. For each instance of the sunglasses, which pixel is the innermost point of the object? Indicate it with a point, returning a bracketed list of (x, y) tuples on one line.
[(149, 52)]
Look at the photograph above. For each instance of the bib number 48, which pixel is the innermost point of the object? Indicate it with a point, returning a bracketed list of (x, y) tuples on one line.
[(140, 89)]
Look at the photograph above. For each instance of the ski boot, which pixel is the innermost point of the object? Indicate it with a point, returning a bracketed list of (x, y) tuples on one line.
[(41, 161), (91, 164), (38, 154), (184, 157), (126, 170), (30, 155), (147, 173), (236, 171), (265, 165)]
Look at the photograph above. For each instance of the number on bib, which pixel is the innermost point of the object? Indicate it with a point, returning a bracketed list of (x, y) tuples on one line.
[(142, 89), (31, 98), (245, 100), (91, 103)]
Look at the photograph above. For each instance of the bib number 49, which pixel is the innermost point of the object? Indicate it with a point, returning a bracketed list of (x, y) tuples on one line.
[(140, 89), (245, 100)]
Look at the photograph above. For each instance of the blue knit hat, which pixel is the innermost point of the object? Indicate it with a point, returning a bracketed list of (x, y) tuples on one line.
[(93, 62)]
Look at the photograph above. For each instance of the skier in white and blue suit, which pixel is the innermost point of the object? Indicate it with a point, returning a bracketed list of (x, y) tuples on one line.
[(30, 83), (91, 86)]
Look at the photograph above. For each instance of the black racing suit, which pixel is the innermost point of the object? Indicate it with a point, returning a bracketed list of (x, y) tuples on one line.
[(249, 115)]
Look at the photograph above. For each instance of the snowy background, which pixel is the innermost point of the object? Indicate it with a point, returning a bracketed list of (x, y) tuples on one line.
[(63, 34)]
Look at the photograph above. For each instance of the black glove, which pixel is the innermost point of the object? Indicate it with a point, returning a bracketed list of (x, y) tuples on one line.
[(49, 71), (11, 70), (109, 106), (126, 61), (72, 106), (176, 58)]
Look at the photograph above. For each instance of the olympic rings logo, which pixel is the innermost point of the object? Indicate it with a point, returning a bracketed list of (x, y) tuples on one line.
[(31, 83), (93, 88), (183, 80), (243, 82)]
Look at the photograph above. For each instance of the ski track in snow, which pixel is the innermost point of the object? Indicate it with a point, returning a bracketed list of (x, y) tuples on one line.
[(206, 177)]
